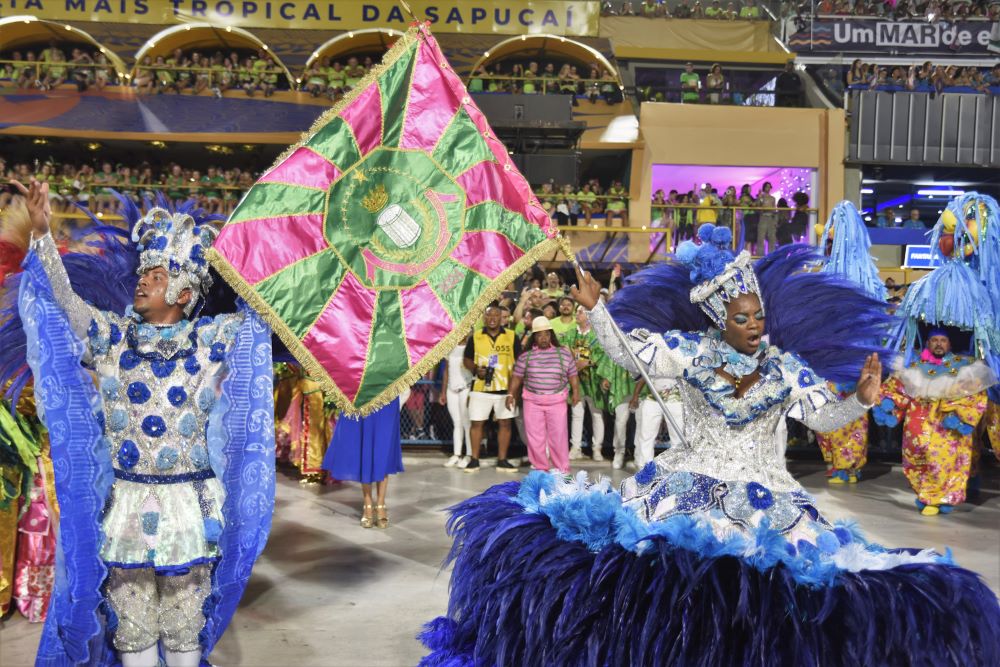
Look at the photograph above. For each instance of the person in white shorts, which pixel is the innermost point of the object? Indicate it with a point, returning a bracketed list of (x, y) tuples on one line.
[(489, 356)]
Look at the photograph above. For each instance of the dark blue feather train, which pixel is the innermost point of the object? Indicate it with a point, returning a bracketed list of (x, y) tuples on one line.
[(523, 594)]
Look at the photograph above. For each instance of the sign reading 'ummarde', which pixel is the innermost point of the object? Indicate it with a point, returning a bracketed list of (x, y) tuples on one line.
[(862, 36)]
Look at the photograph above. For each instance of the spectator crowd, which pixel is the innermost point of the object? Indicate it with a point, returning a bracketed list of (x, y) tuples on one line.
[(332, 78), (928, 77), (902, 10), (569, 204), (52, 67), (217, 190), (532, 349), (550, 78), (760, 221), (195, 73), (715, 88), (746, 10)]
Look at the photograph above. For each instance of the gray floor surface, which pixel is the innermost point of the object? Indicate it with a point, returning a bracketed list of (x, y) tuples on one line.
[(329, 593)]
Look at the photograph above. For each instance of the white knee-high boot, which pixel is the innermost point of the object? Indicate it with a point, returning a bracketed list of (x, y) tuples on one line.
[(149, 657), (182, 658)]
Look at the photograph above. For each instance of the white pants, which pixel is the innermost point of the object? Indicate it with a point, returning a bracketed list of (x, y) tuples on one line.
[(621, 426), (648, 419), (596, 424), (458, 408)]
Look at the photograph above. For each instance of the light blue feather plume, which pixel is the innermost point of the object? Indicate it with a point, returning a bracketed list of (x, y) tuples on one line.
[(850, 254), (951, 295)]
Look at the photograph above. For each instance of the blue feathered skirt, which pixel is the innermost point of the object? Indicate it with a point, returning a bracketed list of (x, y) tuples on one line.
[(552, 571)]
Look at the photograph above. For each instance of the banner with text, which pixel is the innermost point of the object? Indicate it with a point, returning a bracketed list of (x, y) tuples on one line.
[(893, 37), (456, 16)]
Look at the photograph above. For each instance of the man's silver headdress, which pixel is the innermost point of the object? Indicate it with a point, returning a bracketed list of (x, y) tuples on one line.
[(176, 243)]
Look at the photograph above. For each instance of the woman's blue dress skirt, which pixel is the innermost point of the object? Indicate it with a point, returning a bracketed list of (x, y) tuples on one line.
[(366, 449)]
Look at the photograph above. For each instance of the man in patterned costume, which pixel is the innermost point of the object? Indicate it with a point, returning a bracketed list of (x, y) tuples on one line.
[(941, 397), (587, 352), (170, 490)]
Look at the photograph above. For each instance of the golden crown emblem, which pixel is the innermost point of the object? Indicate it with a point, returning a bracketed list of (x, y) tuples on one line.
[(376, 200)]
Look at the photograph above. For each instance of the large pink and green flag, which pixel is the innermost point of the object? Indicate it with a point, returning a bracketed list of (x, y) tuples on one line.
[(373, 245)]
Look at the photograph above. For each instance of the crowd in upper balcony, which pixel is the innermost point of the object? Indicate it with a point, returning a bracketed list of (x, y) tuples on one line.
[(924, 10), (195, 72), (52, 67), (927, 78), (745, 10), (531, 77), (333, 78)]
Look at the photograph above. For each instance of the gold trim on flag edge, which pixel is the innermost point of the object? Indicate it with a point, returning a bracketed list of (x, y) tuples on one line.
[(315, 370)]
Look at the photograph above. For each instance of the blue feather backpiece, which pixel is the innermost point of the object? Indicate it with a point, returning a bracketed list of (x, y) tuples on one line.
[(657, 298), (826, 319), (850, 254)]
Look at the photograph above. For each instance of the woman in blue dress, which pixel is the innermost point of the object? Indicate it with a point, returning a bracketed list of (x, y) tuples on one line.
[(367, 450), (712, 554)]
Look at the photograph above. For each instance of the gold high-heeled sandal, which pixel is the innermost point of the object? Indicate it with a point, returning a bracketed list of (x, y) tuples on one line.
[(367, 521), (382, 521)]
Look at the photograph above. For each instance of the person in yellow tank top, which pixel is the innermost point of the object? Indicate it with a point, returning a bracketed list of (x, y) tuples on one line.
[(490, 355)]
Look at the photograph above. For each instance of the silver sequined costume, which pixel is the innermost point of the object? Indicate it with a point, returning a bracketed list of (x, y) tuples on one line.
[(158, 385), (733, 470)]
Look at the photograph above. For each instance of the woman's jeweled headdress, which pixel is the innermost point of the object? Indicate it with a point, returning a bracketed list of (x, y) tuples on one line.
[(175, 242), (719, 277)]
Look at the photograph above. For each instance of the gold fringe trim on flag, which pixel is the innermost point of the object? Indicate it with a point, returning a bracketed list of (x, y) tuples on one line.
[(397, 51), (316, 370)]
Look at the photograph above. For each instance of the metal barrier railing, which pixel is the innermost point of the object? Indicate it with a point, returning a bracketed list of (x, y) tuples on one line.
[(545, 84)]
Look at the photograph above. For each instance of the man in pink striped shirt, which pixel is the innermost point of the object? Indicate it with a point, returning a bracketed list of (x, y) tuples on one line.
[(543, 376)]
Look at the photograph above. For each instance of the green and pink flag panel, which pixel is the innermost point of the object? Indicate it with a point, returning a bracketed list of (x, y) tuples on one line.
[(372, 246)]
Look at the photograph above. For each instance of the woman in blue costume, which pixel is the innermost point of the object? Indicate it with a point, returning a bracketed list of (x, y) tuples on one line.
[(367, 450), (712, 554), (164, 471)]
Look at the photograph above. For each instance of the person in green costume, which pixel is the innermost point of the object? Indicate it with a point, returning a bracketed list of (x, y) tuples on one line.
[(618, 387), (582, 342)]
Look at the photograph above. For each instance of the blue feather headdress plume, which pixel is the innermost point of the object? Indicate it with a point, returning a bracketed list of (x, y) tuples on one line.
[(964, 292), (824, 318), (657, 299), (104, 276), (850, 253)]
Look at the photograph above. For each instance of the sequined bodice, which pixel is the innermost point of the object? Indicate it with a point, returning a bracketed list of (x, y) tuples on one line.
[(747, 452), (158, 386), (729, 438)]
